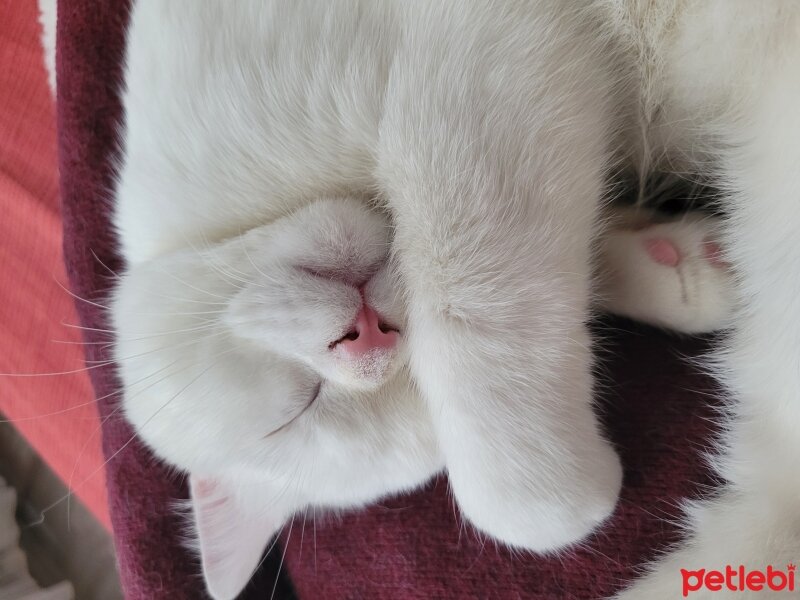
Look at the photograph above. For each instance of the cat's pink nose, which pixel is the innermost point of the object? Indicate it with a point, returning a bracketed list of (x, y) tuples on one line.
[(368, 333)]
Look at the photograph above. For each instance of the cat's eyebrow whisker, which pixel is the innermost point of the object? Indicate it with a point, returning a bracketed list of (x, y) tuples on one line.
[(209, 324), (232, 274), (177, 313), (226, 270), (84, 328), (190, 286), (82, 343), (60, 373), (303, 530), (51, 414), (191, 300), (314, 523), (89, 403), (209, 248), (249, 258), (272, 545), (228, 276), (171, 346), (108, 362), (184, 300), (276, 499), (279, 532), (102, 264), (76, 297)]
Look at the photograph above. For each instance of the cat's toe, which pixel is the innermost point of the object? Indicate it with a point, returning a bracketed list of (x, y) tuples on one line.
[(712, 252), (671, 275), (662, 251)]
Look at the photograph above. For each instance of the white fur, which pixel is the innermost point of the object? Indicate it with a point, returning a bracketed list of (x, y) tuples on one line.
[(484, 132), (238, 121), (694, 296), (47, 21), (722, 78), (228, 374)]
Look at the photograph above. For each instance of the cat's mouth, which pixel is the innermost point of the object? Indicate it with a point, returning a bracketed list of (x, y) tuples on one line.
[(308, 405), (366, 353)]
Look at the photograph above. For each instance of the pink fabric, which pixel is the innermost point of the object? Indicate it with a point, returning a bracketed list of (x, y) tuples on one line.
[(57, 414)]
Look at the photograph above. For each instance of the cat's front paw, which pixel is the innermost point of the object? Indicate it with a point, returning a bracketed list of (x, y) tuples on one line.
[(561, 509), (546, 481)]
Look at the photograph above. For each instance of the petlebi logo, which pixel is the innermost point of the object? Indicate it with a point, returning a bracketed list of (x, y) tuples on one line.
[(739, 579)]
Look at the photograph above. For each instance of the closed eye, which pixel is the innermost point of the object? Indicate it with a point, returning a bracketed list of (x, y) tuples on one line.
[(308, 405)]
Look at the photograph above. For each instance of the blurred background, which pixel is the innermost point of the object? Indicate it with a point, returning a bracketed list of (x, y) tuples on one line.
[(54, 525)]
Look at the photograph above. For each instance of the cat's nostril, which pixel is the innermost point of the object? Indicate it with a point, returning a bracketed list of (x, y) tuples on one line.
[(350, 336), (368, 333), (386, 328)]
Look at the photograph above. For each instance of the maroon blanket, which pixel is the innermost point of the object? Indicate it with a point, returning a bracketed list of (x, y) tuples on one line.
[(656, 408)]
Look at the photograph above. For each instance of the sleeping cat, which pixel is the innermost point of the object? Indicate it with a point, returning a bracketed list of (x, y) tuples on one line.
[(359, 241), (289, 337), (716, 94), (237, 118)]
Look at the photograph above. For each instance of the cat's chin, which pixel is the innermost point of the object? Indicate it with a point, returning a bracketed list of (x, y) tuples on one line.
[(365, 371)]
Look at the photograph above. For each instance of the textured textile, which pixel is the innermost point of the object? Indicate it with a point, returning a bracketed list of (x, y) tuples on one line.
[(656, 408), (55, 413)]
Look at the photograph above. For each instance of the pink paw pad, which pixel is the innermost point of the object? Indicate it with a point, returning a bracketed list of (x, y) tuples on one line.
[(712, 252), (663, 251)]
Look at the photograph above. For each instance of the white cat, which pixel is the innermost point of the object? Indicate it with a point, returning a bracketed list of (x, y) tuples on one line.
[(359, 240), (718, 91), (238, 118)]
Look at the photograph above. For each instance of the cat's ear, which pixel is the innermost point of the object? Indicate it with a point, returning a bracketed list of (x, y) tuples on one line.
[(232, 533)]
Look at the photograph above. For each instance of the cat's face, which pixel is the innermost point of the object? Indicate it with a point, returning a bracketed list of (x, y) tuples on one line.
[(268, 340), (269, 366), (325, 294)]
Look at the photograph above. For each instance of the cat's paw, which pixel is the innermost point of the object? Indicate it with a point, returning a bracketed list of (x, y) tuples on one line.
[(669, 274), (560, 508)]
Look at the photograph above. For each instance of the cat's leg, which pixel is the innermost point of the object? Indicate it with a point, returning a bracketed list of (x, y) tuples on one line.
[(492, 159), (670, 274), (755, 520)]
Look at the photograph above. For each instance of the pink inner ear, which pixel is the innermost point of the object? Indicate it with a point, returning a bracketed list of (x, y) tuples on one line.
[(204, 487), (231, 536), (663, 251)]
